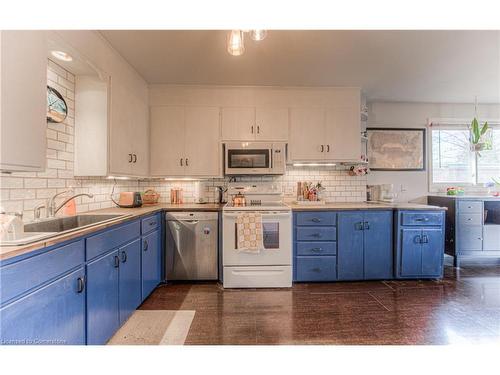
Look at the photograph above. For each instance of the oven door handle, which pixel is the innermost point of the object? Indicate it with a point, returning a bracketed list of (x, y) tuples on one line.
[(264, 214)]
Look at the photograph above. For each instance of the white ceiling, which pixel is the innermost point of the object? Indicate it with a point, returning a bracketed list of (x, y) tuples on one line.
[(423, 66)]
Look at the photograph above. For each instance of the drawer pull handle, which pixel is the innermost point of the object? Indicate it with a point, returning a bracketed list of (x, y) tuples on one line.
[(317, 249), (422, 219), (317, 235), (316, 269), (80, 285), (316, 220), (152, 223)]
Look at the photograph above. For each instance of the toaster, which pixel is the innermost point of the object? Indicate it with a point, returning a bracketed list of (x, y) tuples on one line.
[(130, 199)]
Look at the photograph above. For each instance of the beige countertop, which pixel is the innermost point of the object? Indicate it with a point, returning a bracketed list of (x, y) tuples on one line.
[(363, 206), (7, 252)]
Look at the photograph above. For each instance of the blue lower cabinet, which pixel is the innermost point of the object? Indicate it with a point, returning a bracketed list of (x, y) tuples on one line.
[(151, 262), (350, 246), (53, 314), (411, 252), (420, 249), (129, 279), (316, 268), (103, 298), (378, 248)]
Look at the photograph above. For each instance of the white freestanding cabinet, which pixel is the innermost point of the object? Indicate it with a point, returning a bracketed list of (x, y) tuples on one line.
[(23, 100), (185, 141), (254, 123)]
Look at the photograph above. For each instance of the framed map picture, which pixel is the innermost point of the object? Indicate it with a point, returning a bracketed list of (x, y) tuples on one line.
[(396, 149)]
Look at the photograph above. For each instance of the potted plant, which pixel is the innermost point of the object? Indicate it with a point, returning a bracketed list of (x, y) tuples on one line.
[(479, 140)]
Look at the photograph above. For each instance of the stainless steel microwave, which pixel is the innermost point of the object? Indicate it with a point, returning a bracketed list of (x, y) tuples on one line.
[(254, 158)]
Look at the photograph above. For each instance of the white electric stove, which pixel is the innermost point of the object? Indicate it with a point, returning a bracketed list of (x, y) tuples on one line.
[(271, 267)]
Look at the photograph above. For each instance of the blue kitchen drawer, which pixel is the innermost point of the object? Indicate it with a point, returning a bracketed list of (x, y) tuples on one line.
[(422, 218), (316, 233), (111, 238), (315, 268), (470, 207), (316, 248), (20, 277), (316, 218), (150, 223)]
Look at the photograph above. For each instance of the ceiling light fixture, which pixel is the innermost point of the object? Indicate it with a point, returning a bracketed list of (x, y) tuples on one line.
[(235, 40), (235, 43), (60, 55), (258, 35)]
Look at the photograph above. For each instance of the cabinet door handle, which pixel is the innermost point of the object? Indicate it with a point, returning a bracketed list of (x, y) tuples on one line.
[(360, 226), (366, 225), (417, 239), (181, 162), (135, 158), (146, 245), (187, 163), (425, 239), (252, 129), (80, 285), (327, 148), (130, 158), (322, 148), (258, 129), (124, 256), (316, 220), (117, 261)]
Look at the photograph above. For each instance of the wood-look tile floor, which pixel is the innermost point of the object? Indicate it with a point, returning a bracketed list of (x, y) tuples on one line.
[(464, 307)]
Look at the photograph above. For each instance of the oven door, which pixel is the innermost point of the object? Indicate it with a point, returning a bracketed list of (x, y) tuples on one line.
[(254, 159), (277, 236)]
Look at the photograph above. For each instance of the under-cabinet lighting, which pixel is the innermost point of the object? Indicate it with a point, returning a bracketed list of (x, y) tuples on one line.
[(314, 164), (118, 178), (63, 56), (181, 179)]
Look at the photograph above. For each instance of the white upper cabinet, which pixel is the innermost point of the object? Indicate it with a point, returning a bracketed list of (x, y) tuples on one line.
[(272, 124), (307, 134), (185, 141), (343, 134), (326, 133), (238, 124), (23, 100), (167, 141), (202, 140), (254, 123)]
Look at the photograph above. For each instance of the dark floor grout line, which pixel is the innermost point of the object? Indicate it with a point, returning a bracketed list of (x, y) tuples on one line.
[(380, 303)]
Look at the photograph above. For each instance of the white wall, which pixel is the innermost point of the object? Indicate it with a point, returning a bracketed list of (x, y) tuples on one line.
[(416, 115)]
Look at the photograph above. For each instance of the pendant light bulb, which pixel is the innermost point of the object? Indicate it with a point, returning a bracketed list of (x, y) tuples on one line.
[(258, 35), (235, 44)]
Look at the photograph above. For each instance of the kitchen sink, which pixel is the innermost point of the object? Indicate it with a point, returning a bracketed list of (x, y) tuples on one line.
[(62, 224), (47, 228)]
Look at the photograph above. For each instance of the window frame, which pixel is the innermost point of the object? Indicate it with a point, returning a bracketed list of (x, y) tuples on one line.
[(452, 124)]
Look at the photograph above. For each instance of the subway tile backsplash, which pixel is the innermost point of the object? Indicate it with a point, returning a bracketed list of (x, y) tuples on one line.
[(22, 191)]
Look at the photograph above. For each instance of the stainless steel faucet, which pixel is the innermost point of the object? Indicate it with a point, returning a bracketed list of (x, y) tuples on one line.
[(56, 210), (51, 208)]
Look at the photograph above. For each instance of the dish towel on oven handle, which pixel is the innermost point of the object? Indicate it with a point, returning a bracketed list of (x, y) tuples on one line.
[(249, 230)]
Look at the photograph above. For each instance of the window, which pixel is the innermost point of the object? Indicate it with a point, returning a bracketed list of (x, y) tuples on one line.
[(454, 163)]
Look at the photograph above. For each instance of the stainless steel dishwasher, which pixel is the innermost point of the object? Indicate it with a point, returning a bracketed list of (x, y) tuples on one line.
[(191, 246)]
